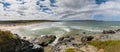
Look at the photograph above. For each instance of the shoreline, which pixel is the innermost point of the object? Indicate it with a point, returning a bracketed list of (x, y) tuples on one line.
[(13, 24), (10, 26)]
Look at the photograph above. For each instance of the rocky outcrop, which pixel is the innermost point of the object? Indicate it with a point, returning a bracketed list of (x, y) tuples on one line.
[(86, 38), (66, 39), (72, 41), (108, 32), (13, 43), (44, 40), (118, 30)]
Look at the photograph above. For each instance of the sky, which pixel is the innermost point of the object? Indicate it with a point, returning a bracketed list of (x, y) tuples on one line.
[(107, 10)]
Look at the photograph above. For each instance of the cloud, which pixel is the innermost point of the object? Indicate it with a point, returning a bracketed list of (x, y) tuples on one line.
[(110, 10), (59, 9)]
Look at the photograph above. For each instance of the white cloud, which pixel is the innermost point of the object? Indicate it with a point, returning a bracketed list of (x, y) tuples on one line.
[(109, 9), (66, 9)]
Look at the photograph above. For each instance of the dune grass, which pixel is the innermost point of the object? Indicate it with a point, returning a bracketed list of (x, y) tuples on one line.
[(108, 46)]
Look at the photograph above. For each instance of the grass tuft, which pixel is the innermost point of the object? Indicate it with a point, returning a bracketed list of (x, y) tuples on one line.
[(108, 46), (5, 36), (70, 50)]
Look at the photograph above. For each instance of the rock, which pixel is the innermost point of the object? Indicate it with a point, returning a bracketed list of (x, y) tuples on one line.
[(86, 38), (118, 30), (66, 39), (104, 37), (29, 47), (45, 40), (108, 32), (61, 39), (12, 43), (89, 38), (16, 36), (38, 49), (19, 45), (84, 32)]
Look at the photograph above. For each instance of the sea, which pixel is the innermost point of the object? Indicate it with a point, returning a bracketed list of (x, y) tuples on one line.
[(66, 27)]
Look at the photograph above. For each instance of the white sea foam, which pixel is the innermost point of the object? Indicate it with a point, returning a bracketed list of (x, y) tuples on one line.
[(67, 29), (115, 26)]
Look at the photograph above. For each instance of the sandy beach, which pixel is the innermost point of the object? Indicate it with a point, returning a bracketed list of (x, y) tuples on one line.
[(10, 26)]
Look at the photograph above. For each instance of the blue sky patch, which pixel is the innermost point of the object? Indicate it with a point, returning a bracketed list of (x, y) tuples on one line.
[(52, 3), (44, 8), (5, 5), (101, 1)]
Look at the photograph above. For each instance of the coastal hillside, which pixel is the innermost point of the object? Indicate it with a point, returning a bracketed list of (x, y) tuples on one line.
[(104, 42), (12, 43)]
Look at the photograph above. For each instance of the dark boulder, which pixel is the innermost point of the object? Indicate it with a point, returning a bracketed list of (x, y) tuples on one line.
[(61, 39), (118, 30), (66, 39), (89, 38), (108, 32), (45, 40), (84, 32), (86, 38)]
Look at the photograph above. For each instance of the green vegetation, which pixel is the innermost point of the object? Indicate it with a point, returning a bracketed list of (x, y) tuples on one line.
[(5, 36), (6, 40), (108, 46), (70, 50)]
